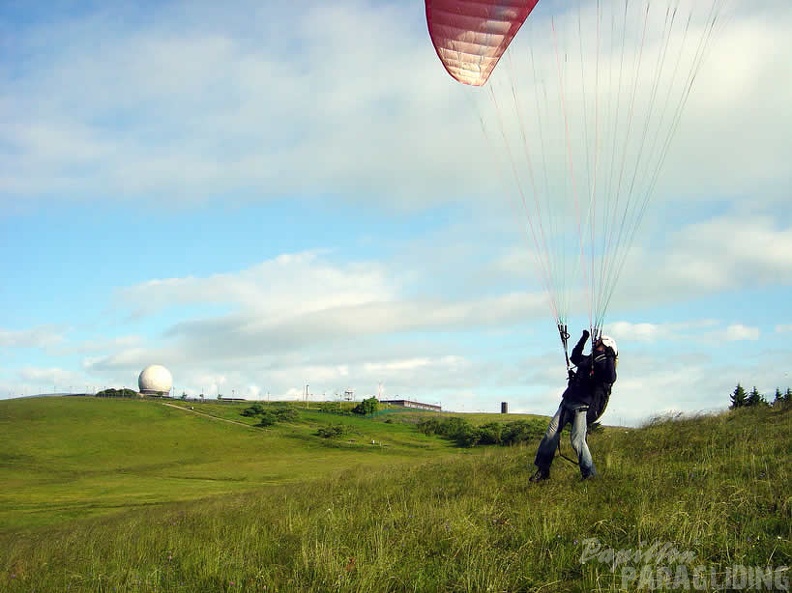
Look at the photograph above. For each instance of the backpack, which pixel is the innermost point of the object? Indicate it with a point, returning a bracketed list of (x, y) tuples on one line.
[(599, 402), (601, 395)]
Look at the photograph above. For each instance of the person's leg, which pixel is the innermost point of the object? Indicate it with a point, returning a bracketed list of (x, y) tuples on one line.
[(546, 451), (579, 444)]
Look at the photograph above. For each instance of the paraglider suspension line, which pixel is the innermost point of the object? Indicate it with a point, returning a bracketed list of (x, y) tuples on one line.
[(564, 333)]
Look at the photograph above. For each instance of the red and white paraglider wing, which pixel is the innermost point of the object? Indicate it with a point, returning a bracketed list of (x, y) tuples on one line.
[(470, 36)]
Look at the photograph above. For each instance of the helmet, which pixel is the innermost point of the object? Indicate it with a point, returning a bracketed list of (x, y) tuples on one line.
[(609, 342)]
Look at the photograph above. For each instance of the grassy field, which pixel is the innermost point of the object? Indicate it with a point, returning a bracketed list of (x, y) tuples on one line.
[(138, 496), (68, 457)]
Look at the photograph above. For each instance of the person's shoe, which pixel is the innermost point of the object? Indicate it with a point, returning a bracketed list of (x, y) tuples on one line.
[(541, 474), (588, 477)]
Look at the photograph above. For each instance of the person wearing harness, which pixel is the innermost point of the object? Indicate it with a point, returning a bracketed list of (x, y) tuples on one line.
[(582, 403)]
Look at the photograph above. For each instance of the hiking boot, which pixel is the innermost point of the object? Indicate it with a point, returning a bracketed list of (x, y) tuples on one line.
[(541, 474)]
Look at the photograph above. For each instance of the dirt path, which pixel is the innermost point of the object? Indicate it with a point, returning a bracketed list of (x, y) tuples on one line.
[(205, 415)]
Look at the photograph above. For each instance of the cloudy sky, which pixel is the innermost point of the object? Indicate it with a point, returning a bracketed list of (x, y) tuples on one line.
[(263, 196)]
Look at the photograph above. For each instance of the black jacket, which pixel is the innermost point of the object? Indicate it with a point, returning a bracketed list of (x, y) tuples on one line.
[(587, 381)]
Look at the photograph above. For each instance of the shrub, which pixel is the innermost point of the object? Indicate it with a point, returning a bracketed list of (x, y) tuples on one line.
[(366, 407), (490, 434), (253, 410), (117, 393), (332, 431), (286, 414), (465, 434), (430, 427), (267, 418), (523, 431), (270, 415), (455, 429), (332, 408)]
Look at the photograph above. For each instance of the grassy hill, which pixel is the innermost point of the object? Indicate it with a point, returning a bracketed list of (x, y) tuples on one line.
[(66, 457), (116, 495)]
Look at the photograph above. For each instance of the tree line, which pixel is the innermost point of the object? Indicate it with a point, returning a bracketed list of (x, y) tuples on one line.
[(745, 399)]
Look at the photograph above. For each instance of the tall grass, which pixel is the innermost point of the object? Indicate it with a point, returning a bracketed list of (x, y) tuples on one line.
[(715, 487)]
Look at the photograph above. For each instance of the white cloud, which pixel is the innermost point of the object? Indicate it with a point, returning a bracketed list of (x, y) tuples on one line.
[(739, 332), (299, 299), (87, 347), (644, 332), (44, 336), (727, 252), (187, 107), (704, 332), (187, 113), (652, 333), (722, 253), (251, 392), (286, 286)]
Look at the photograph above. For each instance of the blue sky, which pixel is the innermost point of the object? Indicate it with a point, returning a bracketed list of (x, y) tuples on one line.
[(261, 197)]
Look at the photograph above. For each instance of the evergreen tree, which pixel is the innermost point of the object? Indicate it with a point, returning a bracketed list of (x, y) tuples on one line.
[(738, 397), (755, 398), (779, 397)]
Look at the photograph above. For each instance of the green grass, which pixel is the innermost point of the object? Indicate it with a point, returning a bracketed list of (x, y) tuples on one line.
[(72, 457), (449, 520)]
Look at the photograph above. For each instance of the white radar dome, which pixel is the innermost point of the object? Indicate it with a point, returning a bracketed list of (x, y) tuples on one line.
[(155, 379)]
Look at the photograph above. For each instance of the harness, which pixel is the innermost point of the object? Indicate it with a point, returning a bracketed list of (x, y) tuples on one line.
[(595, 410)]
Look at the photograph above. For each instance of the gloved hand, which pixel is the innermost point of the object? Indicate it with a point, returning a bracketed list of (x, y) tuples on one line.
[(582, 341)]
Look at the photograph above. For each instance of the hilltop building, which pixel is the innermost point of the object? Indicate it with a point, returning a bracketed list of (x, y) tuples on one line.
[(155, 379), (406, 403)]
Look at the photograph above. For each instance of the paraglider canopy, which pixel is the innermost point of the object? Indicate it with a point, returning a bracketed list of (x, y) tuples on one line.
[(470, 36)]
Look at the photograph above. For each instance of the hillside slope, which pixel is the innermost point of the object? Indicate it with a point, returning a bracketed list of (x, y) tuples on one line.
[(74, 456), (713, 493)]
